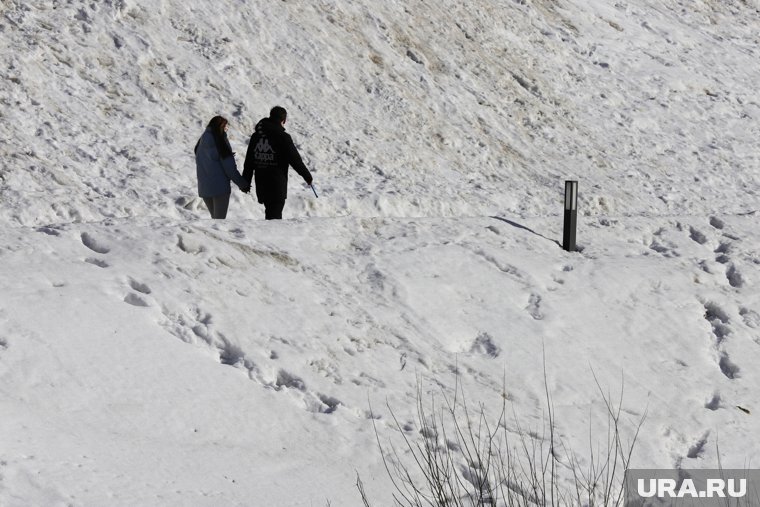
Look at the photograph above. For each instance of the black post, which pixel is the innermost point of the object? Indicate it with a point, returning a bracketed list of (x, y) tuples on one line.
[(571, 215)]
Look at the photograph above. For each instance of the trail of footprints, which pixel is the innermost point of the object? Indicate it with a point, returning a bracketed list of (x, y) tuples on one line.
[(718, 317), (720, 320), (139, 290), (137, 299), (724, 254), (197, 328), (724, 265)]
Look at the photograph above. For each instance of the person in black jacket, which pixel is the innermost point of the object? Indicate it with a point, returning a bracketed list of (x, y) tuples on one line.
[(270, 152)]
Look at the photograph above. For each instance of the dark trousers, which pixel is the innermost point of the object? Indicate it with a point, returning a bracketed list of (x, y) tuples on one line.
[(273, 209), (218, 205)]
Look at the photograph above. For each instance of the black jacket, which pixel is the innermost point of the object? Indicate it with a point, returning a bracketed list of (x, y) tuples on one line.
[(270, 152)]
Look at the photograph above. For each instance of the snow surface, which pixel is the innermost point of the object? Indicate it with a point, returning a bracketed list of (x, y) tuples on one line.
[(150, 356)]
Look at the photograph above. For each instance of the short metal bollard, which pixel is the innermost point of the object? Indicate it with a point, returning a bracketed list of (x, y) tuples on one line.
[(571, 215)]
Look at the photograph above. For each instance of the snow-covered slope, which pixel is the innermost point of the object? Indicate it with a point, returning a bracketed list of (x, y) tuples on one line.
[(149, 356), (402, 108)]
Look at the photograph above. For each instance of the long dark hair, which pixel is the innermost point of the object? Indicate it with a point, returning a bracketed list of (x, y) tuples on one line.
[(217, 125)]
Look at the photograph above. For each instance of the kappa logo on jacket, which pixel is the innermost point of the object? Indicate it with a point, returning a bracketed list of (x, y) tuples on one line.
[(263, 151), (263, 146)]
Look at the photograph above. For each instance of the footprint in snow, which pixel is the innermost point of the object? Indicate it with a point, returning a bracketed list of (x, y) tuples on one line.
[(534, 307), (93, 244), (233, 355), (729, 369), (714, 311), (718, 320), (698, 449), (139, 287), (97, 262), (717, 223), (735, 278), (722, 252), (329, 403), (697, 236), (288, 380), (50, 231), (135, 300), (666, 250), (714, 403), (230, 354), (484, 345), (320, 404)]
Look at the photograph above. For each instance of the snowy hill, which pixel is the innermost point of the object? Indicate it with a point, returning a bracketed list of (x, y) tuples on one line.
[(652, 104), (149, 356)]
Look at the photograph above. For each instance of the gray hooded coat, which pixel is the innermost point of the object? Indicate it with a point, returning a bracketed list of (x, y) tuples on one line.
[(215, 173)]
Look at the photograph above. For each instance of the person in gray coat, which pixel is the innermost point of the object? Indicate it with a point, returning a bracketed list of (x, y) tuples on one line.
[(215, 164)]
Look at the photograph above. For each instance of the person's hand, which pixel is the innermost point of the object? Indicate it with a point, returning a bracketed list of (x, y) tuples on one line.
[(311, 185)]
